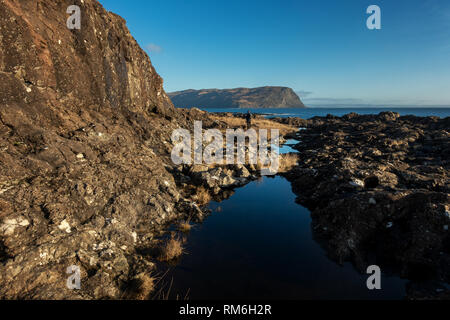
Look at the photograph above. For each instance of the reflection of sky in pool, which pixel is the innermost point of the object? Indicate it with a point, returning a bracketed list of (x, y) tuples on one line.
[(261, 246), (287, 147)]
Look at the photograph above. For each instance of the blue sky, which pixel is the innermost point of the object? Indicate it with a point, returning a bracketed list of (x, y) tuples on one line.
[(322, 49)]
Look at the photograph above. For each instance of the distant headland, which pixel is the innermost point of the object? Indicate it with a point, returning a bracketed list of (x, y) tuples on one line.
[(244, 98)]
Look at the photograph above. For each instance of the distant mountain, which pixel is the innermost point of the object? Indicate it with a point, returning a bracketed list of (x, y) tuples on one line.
[(245, 98)]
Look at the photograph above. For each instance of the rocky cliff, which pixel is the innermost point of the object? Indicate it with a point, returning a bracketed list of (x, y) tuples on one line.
[(84, 151), (264, 97)]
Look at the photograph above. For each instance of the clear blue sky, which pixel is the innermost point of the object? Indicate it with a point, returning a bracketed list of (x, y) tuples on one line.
[(320, 48)]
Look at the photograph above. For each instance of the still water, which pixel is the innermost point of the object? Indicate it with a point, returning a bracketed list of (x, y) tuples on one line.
[(260, 245)]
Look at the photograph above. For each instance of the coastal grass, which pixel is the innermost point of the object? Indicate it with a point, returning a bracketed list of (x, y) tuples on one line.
[(202, 196), (172, 249), (140, 287), (257, 124), (287, 162), (146, 286)]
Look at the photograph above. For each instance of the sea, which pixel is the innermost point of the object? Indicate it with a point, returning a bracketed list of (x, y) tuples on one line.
[(307, 113)]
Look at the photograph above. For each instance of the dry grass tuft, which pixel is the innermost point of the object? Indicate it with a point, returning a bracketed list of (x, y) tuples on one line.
[(141, 287), (287, 162), (202, 196), (172, 249), (231, 121)]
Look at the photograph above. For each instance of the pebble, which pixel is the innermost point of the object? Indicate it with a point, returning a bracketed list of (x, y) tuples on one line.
[(357, 183), (65, 226)]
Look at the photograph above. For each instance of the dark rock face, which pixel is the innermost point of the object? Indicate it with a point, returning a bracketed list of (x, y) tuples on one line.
[(264, 97), (46, 65), (378, 189), (85, 165), (292, 121)]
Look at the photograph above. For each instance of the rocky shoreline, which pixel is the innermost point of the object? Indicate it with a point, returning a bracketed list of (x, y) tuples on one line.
[(86, 177), (378, 190)]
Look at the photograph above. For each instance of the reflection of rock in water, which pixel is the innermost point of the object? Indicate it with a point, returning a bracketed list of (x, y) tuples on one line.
[(428, 290), (347, 233), (224, 195)]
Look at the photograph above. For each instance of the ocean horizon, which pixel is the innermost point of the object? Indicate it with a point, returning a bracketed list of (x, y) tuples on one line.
[(321, 111)]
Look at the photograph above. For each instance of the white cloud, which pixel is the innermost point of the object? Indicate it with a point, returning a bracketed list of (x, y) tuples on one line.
[(303, 93), (334, 100), (151, 47)]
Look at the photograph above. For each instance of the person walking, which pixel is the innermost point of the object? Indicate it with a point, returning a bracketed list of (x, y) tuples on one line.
[(248, 118)]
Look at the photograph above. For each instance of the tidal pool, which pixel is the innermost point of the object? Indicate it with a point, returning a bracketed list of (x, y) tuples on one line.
[(260, 246)]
